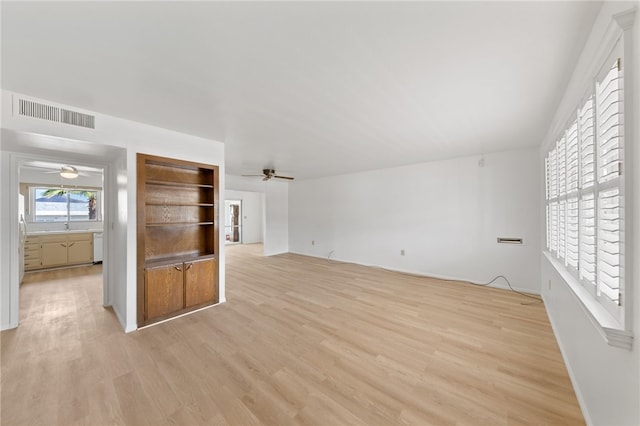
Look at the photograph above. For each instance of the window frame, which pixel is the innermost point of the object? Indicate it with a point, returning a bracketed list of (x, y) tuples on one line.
[(615, 327), (32, 193)]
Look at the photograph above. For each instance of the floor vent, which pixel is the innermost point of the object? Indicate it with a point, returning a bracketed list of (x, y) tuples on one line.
[(27, 108)]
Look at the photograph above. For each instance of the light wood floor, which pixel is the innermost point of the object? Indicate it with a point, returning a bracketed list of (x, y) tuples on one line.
[(299, 341)]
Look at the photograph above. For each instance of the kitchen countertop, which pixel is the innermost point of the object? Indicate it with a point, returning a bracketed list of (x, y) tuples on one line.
[(63, 232)]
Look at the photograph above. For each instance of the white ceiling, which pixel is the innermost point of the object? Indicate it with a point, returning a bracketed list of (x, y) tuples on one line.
[(308, 88)]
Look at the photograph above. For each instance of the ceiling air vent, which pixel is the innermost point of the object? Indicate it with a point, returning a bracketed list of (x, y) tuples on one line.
[(27, 108)]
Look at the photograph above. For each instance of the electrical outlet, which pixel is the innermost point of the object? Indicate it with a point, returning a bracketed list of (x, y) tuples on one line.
[(402, 252), (313, 242)]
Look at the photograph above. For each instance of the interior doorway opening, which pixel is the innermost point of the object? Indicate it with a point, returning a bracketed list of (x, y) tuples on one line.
[(25, 155), (233, 221)]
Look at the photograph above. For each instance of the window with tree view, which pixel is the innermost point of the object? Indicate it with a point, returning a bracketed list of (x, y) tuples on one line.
[(62, 204)]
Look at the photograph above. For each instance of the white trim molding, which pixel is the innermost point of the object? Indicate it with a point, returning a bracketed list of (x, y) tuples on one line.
[(604, 322)]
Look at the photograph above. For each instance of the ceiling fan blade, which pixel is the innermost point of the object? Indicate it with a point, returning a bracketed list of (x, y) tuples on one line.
[(284, 177), (252, 175)]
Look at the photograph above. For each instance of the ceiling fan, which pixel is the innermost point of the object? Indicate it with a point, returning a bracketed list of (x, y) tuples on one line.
[(268, 174), (68, 172), (64, 170)]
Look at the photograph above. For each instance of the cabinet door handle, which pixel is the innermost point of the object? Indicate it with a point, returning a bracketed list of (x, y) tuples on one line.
[(189, 265), (63, 245), (70, 244), (178, 268)]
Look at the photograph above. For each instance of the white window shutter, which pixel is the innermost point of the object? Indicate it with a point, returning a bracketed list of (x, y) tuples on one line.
[(553, 174), (587, 224), (588, 239), (585, 195), (548, 228), (546, 178), (586, 145), (609, 108), (609, 244), (609, 114), (553, 245), (562, 229), (572, 232), (572, 158), (562, 167)]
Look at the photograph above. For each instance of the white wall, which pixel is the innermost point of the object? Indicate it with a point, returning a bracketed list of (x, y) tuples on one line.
[(606, 379), (252, 213), (446, 215), (276, 201), (133, 137)]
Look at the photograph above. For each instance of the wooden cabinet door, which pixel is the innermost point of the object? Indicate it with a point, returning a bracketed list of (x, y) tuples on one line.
[(163, 290), (54, 253), (199, 282), (80, 251)]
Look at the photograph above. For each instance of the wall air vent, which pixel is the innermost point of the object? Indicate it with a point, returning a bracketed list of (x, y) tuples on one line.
[(38, 110), (505, 240), (78, 119), (27, 108)]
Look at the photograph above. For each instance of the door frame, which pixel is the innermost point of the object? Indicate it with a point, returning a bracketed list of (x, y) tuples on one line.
[(16, 159), (234, 202)]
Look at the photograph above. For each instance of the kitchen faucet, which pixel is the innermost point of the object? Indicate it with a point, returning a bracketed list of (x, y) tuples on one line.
[(66, 226)]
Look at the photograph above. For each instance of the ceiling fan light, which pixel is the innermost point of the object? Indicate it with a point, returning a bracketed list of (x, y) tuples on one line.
[(68, 172)]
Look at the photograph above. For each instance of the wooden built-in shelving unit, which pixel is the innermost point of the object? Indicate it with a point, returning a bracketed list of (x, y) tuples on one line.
[(177, 237)]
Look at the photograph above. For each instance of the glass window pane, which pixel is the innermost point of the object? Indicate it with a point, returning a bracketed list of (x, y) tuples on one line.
[(50, 205), (82, 205), (62, 205)]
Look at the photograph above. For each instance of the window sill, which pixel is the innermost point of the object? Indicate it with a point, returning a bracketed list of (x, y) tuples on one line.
[(605, 323)]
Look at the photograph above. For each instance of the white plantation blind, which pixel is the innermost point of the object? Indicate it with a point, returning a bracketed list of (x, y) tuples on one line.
[(587, 204), (562, 167), (553, 246), (546, 197), (562, 229), (548, 227), (553, 175), (609, 165), (587, 239), (572, 159), (546, 178), (586, 145), (609, 111), (585, 200), (572, 233), (609, 244)]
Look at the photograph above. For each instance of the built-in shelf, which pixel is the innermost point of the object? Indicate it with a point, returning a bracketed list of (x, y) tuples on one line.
[(180, 224), (170, 260), (180, 184), (180, 204), (177, 237)]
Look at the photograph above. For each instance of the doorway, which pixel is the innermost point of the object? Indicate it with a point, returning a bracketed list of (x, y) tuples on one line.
[(233, 221), (62, 216), (19, 148)]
